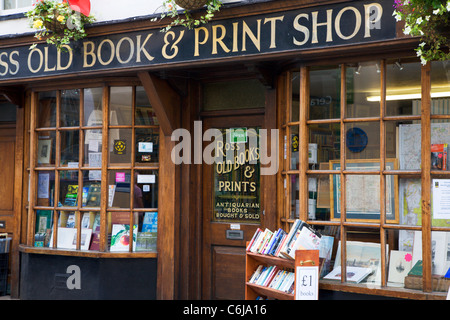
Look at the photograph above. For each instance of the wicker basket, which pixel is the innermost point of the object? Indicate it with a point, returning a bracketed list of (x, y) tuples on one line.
[(191, 4), (54, 25)]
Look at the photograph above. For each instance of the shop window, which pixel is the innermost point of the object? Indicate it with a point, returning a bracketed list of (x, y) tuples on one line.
[(14, 5), (353, 167), (94, 170)]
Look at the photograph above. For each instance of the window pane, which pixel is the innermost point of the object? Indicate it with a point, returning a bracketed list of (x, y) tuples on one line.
[(146, 189), (91, 188), (295, 196), (319, 196), (238, 94), (46, 110), (120, 106), (362, 81), (147, 146), (70, 108), (46, 188), (120, 142), (147, 234), (24, 3), (144, 111), (324, 145), (68, 188), (403, 88), (70, 148), (294, 144), (362, 140), (43, 229), (440, 87), (93, 107), (294, 113), (46, 149), (93, 148), (10, 4), (119, 188), (119, 231), (325, 88)]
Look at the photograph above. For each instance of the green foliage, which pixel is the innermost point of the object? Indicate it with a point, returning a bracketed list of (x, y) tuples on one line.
[(57, 23), (185, 18), (429, 19)]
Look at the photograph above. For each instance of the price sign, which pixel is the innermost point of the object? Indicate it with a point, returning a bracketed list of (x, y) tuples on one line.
[(307, 283)]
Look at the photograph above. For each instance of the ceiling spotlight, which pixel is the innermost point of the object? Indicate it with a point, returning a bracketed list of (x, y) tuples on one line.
[(378, 67), (358, 69), (399, 65)]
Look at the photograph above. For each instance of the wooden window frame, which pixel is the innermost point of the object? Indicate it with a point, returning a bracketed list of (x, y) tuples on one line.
[(425, 174), (103, 209)]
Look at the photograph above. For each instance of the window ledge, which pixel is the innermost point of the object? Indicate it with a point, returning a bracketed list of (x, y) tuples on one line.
[(89, 254)]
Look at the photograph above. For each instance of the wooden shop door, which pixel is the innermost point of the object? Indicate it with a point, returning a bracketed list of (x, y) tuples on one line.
[(232, 205)]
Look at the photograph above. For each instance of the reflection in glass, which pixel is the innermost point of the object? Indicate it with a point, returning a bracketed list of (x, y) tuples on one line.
[(144, 111), (440, 87), (403, 88), (295, 196), (362, 81), (119, 188), (147, 233), (93, 106), (319, 199), (325, 87), (70, 108), (68, 188), (70, 148), (147, 146), (46, 110), (120, 105)]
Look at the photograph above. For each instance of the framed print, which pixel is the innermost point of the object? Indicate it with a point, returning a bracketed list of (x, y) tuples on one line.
[(44, 151), (363, 191)]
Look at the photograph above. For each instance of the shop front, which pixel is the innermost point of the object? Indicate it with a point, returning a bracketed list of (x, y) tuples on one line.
[(273, 112)]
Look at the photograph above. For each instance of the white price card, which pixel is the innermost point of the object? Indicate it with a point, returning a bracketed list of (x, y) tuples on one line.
[(307, 283)]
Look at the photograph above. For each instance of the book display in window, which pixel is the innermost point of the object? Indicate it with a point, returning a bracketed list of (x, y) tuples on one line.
[(439, 156)]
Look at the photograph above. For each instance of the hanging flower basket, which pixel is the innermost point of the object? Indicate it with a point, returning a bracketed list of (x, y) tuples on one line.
[(430, 20), (185, 17), (191, 4), (57, 22)]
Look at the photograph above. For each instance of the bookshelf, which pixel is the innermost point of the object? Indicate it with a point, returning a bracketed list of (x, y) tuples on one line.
[(252, 261)]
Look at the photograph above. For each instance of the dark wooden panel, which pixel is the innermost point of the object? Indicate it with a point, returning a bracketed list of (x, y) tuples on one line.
[(7, 154), (228, 273)]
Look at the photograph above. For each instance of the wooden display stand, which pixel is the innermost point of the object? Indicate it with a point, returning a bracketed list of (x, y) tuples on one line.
[(253, 260)]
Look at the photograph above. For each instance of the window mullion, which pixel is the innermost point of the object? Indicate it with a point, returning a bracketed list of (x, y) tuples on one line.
[(104, 186), (343, 231)]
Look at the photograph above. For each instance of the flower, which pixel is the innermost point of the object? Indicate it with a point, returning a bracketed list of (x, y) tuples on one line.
[(57, 23), (429, 20), (37, 24), (185, 17)]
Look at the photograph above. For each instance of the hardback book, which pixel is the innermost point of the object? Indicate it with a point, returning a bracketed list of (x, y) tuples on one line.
[(291, 237), (150, 223), (255, 235), (439, 156), (354, 274), (120, 237), (308, 239)]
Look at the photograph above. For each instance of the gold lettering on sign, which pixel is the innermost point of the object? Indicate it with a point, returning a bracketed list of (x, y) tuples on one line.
[(273, 21), (303, 29), (41, 60), (256, 39), (216, 40), (174, 46), (99, 52), (197, 39), (46, 68), (58, 58), (141, 48), (371, 23), (337, 23), (315, 24), (131, 53), (88, 49)]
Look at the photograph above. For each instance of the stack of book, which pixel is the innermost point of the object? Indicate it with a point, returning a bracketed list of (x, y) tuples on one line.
[(273, 277), (282, 244)]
